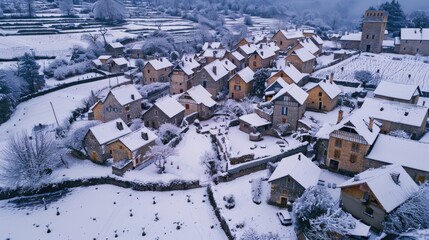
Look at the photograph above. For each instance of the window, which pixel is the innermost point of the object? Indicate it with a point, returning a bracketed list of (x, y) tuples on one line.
[(406, 41), (337, 154), (367, 36), (156, 112), (120, 147), (237, 88), (281, 43), (128, 116), (254, 63), (369, 211), (187, 106), (320, 94), (405, 48), (111, 151), (355, 147), (353, 158), (204, 84), (284, 111), (127, 108), (373, 36), (286, 98), (148, 71), (338, 142)]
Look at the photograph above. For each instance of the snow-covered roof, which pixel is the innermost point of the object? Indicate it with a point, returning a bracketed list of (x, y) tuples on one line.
[(126, 94), (317, 39), (254, 120), (246, 74), (137, 46), (361, 229), (116, 45), (352, 37), (388, 43), (120, 61), (213, 45), (97, 62), (228, 64), (170, 106), (304, 54), (397, 90), (414, 34), (290, 70), (388, 193), (389, 149), (237, 55), (215, 53), (397, 40), (221, 71), (404, 113), (330, 88), (105, 57), (160, 63), (248, 48), (309, 45), (292, 34), (294, 90), (201, 95), (134, 140), (188, 65), (109, 131), (298, 167)]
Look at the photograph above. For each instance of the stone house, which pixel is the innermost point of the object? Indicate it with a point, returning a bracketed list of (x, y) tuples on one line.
[(240, 84), (410, 154), (318, 41), (115, 49), (414, 41), (263, 57), (322, 96), (307, 44), (374, 25), (157, 70), (292, 176), (398, 92), (213, 77), (351, 41), (253, 123), (349, 142), (198, 100), (118, 65), (98, 138), (287, 104), (136, 51), (288, 72), (165, 110), (397, 116), (210, 54), (182, 74), (212, 45), (121, 102), (132, 147), (237, 59), (374, 193), (303, 60), (287, 39)]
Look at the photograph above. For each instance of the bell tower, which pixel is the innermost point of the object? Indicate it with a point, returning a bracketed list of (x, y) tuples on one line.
[(374, 25)]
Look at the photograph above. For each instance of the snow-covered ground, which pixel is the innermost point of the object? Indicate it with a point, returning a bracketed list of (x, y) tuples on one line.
[(392, 67), (97, 212), (53, 82)]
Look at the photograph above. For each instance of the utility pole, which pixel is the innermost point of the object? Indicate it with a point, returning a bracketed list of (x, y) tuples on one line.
[(55, 115)]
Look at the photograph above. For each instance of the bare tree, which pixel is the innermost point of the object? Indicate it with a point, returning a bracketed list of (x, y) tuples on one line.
[(29, 5), (211, 161), (28, 158), (159, 154), (104, 33)]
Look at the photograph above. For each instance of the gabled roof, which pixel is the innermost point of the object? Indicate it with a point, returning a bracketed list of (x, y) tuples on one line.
[(351, 37), (120, 61), (188, 65), (292, 34), (298, 167), (303, 54), (125, 94), (414, 34), (215, 53), (330, 88), (404, 113), (105, 57), (134, 141), (213, 45), (246, 74), (317, 39), (390, 150), (293, 90), (290, 70), (248, 48), (160, 63), (309, 45), (221, 71), (109, 131), (97, 62), (237, 55), (169, 106), (116, 45), (228, 64), (201, 95), (397, 90), (254, 120), (388, 193)]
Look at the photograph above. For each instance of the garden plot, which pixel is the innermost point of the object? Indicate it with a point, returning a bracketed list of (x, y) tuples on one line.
[(391, 67), (246, 214), (83, 214)]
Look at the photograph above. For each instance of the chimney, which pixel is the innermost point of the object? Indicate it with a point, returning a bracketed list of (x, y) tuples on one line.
[(226, 62), (119, 126), (262, 53), (160, 59), (190, 59), (421, 29), (424, 103), (214, 53), (299, 157), (214, 70), (260, 46), (331, 77), (145, 136), (395, 177), (248, 44), (371, 124), (340, 116), (132, 97)]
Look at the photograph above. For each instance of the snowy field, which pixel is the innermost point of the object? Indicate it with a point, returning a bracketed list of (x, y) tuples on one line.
[(51, 82), (86, 215), (391, 67)]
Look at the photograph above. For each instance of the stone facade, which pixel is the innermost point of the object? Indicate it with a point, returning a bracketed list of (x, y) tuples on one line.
[(416, 131), (191, 106), (119, 152), (319, 101), (374, 25), (294, 112), (414, 47), (154, 118), (350, 44), (111, 109), (304, 67), (283, 43), (115, 52), (238, 89), (239, 63), (419, 176), (213, 87), (180, 81), (255, 61), (150, 74), (94, 149), (285, 189)]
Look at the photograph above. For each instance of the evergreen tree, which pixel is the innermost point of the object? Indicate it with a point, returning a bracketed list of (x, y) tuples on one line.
[(396, 19), (419, 19), (28, 69), (259, 82)]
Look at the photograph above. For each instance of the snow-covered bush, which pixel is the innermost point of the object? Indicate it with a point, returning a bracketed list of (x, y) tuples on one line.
[(230, 201), (413, 214), (136, 124), (167, 132), (248, 20), (159, 154), (158, 42), (282, 128), (49, 70), (75, 137), (152, 88), (256, 190), (236, 109), (252, 234), (260, 77), (139, 63), (400, 134), (66, 71), (110, 10), (211, 161)]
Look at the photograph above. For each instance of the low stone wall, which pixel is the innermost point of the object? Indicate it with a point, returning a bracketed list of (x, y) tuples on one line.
[(223, 223), (242, 158)]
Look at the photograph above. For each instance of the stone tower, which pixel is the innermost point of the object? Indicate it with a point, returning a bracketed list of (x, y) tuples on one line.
[(374, 25)]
